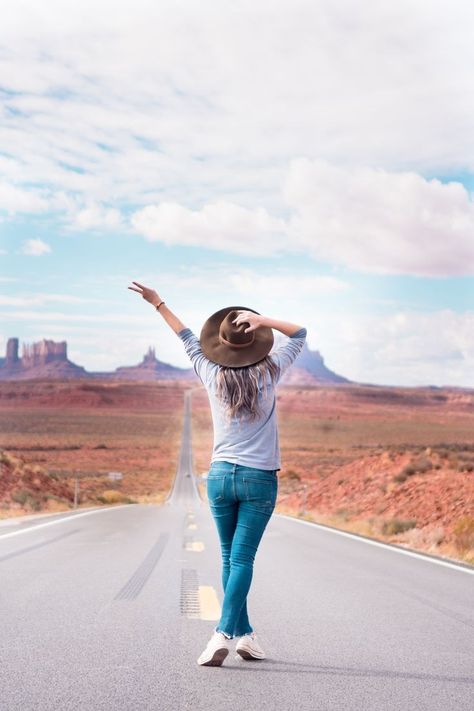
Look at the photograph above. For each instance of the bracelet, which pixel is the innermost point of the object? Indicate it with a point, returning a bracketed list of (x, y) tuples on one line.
[(158, 305)]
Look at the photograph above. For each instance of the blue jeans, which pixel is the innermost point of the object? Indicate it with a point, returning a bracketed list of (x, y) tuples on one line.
[(241, 500)]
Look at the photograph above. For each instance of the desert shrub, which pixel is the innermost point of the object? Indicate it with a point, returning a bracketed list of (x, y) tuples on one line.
[(430, 537), (100, 446), (21, 496), (460, 463), (111, 496), (34, 503), (397, 525), (467, 455), (465, 466), (26, 498), (423, 464), (416, 466), (327, 426), (4, 457), (435, 536), (291, 474), (401, 476), (343, 513), (464, 533), (463, 461), (455, 447), (54, 497)]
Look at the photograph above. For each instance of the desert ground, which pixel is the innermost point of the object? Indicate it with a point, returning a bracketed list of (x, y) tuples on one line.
[(396, 464)]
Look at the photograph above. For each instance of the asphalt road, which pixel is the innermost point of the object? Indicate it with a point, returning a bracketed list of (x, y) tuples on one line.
[(110, 608)]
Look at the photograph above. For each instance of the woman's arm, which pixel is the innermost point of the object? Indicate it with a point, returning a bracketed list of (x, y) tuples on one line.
[(152, 297), (170, 318), (257, 320), (285, 327)]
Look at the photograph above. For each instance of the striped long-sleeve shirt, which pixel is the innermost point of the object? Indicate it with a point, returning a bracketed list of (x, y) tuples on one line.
[(249, 443)]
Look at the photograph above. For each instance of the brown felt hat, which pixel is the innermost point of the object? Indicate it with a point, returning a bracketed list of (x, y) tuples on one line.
[(226, 343)]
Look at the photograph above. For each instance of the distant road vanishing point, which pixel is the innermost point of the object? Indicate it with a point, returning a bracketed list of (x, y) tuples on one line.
[(109, 608)]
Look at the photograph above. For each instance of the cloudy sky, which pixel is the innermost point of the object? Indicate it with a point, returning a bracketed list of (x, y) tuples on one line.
[(311, 160)]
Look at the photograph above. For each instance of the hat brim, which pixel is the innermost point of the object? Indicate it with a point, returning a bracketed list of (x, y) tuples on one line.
[(222, 354)]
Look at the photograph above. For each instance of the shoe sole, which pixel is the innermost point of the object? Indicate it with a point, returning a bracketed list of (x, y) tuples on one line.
[(216, 659), (247, 654)]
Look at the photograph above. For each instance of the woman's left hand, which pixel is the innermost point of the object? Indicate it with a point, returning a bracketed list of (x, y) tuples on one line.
[(148, 294), (248, 317)]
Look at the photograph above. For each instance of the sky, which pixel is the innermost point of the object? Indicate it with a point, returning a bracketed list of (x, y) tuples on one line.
[(313, 161)]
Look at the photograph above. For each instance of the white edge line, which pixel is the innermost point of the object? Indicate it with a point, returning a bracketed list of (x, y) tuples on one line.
[(69, 517), (387, 546)]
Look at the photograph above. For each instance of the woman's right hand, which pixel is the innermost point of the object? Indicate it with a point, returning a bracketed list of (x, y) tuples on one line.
[(255, 320)]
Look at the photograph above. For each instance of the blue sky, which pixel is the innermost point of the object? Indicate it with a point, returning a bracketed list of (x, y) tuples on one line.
[(315, 164)]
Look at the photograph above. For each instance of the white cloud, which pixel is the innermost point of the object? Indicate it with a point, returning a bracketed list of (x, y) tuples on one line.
[(35, 247), (405, 347), (96, 216), (380, 221), (38, 299), (142, 103), (16, 200), (270, 288), (221, 225), (42, 316), (216, 284), (362, 218)]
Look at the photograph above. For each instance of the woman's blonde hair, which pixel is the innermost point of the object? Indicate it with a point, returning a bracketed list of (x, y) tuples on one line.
[(238, 388)]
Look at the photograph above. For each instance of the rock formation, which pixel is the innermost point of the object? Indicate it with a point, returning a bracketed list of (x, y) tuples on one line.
[(43, 352), (44, 359), (12, 351), (48, 359), (152, 369), (309, 369)]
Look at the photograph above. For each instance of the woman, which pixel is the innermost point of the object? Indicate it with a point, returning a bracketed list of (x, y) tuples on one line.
[(233, 361)]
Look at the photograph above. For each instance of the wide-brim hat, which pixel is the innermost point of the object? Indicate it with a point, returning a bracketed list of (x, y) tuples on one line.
[(226, 343)]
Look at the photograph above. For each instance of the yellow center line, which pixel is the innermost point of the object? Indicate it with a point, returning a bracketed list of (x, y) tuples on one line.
[(209, 604)]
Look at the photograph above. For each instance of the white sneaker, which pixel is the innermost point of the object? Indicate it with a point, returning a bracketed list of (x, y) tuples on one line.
[(249, 648), (216, 650)]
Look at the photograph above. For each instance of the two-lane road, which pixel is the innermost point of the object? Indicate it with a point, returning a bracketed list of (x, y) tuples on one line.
[(110, 608)]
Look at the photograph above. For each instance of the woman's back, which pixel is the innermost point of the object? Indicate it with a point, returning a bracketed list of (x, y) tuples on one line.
[(252, 443)]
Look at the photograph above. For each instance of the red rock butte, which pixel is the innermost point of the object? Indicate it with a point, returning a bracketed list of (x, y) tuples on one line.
[(48, 359)]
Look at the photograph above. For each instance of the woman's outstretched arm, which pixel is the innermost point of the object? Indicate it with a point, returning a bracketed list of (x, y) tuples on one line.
[(171, 319), (152, 297)]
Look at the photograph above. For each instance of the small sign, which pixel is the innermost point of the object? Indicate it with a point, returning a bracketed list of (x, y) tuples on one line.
[(115, 476)]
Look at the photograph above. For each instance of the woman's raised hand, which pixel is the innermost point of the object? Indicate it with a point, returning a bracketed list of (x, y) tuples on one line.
[(254, 320), (148, 294)]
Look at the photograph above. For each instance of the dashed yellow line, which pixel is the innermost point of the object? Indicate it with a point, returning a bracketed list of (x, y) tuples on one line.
[(210, 608)]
